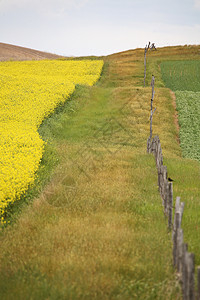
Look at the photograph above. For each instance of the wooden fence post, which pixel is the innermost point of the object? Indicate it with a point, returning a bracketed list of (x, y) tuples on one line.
[(157, 141), (177, 224), (166, 197), (179, 252), (177, 204), (181, 207), (153, 146), (190, 271), (149, 145), (153, 92), (163, 179), (158, 154), (152, 112), (184, 271), (145, 54), (198, 283), (176, 227), (170, 205)]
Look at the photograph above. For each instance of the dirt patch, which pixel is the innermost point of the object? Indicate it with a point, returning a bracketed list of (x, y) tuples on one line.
[(11, 52)]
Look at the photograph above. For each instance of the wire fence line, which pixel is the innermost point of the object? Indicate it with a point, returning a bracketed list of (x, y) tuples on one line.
[(183, 261)]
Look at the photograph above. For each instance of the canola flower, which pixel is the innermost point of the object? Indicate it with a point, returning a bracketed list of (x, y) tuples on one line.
[(29, 92)]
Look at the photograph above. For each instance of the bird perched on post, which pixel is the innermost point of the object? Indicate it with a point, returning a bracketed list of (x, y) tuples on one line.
[(170, 180)]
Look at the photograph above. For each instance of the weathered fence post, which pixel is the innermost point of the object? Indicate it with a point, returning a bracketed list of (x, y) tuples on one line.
[(179, 251), (177, 209), (159, 158), (181, 207), (145, 54), (166, 197), (176, 227), (184, 271), (153, 146), (170, 205), (198, 283), (152, 85), (152, 112), (151, 47), (190, 276), (149, 145), (163, 179), (156, 142)]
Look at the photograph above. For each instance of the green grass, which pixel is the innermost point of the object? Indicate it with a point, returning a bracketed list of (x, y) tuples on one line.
[(182, 75)]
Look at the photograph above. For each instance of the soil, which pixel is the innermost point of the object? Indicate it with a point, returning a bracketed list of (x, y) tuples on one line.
[(11, 52)]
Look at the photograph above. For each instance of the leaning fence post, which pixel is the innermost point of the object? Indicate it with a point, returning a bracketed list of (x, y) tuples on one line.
[(145, 54)]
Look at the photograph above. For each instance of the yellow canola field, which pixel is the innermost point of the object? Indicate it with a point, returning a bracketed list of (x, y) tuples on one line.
[(29, 92)]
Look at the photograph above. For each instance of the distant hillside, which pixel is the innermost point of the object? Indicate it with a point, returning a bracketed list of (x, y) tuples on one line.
[(11, 52)]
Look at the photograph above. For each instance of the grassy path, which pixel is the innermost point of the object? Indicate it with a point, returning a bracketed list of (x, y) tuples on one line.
[(97, 230)]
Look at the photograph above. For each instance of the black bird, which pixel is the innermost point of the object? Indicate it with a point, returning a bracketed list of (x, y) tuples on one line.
[(170, 180)]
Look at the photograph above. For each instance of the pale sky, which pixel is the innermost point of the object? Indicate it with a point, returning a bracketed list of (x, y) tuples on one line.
[(98, 27)]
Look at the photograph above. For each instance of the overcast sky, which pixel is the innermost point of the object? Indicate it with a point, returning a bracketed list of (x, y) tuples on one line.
[(98, 27)]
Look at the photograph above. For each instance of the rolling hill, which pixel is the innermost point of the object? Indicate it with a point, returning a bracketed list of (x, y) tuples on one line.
[(12, 52)]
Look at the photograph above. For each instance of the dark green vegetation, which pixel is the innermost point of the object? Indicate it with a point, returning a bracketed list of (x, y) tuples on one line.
[(183, 77), (188, 107), (97, 230)]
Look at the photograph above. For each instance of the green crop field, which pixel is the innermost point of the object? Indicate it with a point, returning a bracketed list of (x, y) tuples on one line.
[(188, 106), (183, 77)]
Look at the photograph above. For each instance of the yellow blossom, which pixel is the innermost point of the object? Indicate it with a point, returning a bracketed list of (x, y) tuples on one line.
[(29, 92)]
